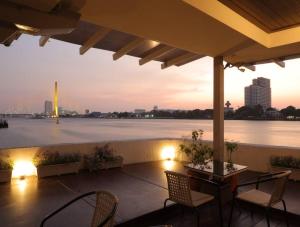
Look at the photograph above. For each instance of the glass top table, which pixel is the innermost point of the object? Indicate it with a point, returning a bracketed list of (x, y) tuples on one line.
[(218, 170)]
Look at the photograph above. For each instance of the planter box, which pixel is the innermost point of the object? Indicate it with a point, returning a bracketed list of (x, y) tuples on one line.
[(112, 164), (295, 172), (59, 169), (5, 175)]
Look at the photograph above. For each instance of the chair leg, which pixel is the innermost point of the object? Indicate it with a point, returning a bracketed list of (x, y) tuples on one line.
[(165, 203), (251, 212), (268, 217), (231, 212), (285, 213), (182, 211), (197, 216)]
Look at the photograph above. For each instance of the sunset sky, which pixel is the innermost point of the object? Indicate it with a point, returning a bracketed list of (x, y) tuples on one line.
[(94, 81)]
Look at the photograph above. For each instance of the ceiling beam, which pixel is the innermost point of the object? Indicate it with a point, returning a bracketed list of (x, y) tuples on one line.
[(93, 40), (43, 40), (279, 63), (238, 47), (128, 47), (190, 60), (177, 60), (250, 67), (37, 22), (8, 35), (155, 54)]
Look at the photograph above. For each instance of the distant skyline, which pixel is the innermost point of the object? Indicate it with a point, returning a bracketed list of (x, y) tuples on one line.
[(95, 82)]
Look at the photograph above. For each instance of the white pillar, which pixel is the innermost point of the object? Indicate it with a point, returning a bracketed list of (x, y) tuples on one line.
[(218, 121)]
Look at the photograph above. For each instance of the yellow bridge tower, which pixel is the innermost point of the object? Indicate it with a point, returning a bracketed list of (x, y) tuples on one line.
[(56, 114)]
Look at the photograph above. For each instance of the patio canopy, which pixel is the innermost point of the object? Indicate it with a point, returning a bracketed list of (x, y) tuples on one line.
[(174, 32)]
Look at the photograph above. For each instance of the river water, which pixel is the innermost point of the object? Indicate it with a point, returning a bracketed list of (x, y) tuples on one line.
[(35, 132)]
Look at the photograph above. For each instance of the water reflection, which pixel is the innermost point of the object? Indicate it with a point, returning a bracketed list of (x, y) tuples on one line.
[(168, 164), (29, 132)]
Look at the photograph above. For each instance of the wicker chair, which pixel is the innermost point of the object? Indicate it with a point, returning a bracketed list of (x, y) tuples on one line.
[(263, 199), (105, 209), (181, 193)]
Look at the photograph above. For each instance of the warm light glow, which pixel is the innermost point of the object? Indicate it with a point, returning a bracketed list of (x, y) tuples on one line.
[(168, 164), (154, 43), (168, 153), (22, 185), (23, 168), (26, 28)]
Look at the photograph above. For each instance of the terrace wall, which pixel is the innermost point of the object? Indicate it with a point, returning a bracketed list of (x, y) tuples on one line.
[(256, 157)]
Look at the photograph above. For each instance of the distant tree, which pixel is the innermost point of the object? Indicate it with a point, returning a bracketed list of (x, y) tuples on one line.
[(123, 115), (243, 112), (208, 113), (229, 115), (288, 111), (258, 111), (270, 109), (248, 112)]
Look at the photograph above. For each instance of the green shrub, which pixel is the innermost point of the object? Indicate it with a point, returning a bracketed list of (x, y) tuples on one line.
[(6, 164), (196, 150), (285, 161), (101, 155), (53, 158)]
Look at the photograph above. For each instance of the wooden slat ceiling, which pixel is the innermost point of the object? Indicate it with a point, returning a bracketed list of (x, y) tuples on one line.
[(269, 15), (115, 40)]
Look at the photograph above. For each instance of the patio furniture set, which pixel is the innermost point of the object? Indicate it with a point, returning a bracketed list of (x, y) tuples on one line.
[(180, 190)]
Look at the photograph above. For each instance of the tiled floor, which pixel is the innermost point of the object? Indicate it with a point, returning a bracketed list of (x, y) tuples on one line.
[(141, 189)]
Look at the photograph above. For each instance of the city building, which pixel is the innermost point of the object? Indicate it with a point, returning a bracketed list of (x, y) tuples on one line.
[(48, 109), (139, 111), (227, 108), (259, 93)]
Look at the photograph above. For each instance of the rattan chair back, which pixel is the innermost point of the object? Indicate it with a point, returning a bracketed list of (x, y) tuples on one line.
[(179, 188), (279, 187), (106, 204)]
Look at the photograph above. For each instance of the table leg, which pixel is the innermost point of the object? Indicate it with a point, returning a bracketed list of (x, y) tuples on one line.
[(234, 182)]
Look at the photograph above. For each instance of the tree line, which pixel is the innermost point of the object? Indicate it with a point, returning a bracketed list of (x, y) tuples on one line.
[(242, 113)]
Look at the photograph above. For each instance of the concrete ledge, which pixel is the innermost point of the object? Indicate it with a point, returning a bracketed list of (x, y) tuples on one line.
[(256, 157)]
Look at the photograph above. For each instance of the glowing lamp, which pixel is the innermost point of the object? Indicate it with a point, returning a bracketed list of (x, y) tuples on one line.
[(26, 28), (168, 153), (22, 169)]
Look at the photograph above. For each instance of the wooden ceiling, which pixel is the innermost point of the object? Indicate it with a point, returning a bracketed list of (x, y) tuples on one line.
[(122, 43), (269, 15)]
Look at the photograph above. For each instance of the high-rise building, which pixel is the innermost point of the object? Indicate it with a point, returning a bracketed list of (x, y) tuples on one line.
[(48, 108), (259, 93)]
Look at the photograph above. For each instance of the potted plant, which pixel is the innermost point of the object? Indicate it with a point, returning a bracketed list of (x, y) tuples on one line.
[(231, 147), (280, 163), (198, 152), (103, 158), (55, 164), (6, 167)]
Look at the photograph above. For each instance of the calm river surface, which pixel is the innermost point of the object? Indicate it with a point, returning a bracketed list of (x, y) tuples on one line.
[(34, 132)]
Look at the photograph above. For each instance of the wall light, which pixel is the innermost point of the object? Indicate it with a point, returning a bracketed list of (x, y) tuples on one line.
[(23, 168), (168, 153), (26, 28)]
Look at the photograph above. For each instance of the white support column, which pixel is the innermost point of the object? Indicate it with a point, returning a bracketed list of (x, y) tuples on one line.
[(218, 121)]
